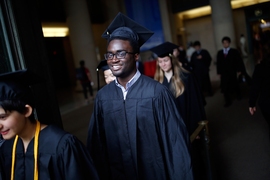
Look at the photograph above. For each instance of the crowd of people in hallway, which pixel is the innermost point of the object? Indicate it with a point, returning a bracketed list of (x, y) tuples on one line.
[(140, 127)]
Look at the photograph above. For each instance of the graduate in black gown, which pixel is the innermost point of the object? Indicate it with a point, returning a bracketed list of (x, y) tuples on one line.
[(135, 130), (188, 96), (33, 150), (183, 85)]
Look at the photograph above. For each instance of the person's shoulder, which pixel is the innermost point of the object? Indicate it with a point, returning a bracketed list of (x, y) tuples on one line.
[(52, 135), (107, 87), (234, 50), (149, 83), (186, 75), (220, 51), (59, 138), (205, 50)]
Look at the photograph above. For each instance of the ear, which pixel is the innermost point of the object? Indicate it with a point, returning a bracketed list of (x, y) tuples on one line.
[(28, 110), (137, 57)]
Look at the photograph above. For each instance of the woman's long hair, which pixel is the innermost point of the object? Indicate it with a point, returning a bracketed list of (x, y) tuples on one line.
[(177, 85)]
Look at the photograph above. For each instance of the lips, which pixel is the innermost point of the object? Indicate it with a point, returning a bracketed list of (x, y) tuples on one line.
[(116, 67), (4, 132)]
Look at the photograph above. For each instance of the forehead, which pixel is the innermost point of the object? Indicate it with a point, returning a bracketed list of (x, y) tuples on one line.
[(2, 111), (163, 58), (108, 71), (119, 44)]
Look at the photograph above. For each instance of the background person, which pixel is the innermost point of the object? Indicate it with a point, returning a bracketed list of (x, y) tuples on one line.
[(182, 84), (229, 66), (84, 76), (189, 98), (200, 62)]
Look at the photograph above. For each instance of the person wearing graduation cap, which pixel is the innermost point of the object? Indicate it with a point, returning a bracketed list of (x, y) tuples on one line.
[(108, 75), (135, 131), (182, 84), (33, 150), (188, 96)]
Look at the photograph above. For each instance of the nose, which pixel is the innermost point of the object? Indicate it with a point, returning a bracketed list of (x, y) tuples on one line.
[(162, 63), (114, 58)]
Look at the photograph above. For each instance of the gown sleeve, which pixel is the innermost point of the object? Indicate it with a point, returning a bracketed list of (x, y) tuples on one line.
[(174, 138), (256, 82), (96, 142), (76, 160)]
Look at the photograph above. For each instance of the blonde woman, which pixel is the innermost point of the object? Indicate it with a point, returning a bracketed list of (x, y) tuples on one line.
[(181, 83)]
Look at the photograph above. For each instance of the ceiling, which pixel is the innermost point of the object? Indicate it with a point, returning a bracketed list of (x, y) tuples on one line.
[(54, 11)]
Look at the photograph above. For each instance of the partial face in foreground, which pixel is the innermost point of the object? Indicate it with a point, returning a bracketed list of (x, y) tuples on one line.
[(13, 123)]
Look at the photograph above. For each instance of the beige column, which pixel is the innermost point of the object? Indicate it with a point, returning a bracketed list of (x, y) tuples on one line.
[(81, 37), (165, 19), (222, 19)]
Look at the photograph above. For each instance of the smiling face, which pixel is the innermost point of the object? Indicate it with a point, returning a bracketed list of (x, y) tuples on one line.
[(124, 69), (13, 123), (165, 63)]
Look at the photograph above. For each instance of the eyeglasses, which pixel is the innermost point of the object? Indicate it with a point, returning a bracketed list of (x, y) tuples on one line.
[(118, 54)]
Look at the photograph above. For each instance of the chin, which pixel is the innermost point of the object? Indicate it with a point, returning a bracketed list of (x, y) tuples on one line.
[(7, 137)]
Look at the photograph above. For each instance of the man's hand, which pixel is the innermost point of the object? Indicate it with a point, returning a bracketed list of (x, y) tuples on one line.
[(252, 110), (199, 57)]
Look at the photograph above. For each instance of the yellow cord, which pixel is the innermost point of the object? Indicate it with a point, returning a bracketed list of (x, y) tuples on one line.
[(13, 157), (36, 150), (35, 153)]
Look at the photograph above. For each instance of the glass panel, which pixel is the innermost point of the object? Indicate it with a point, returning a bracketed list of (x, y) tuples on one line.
[(6, 59)]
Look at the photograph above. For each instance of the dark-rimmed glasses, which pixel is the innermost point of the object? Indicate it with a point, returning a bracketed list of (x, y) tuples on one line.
[(118, 55)]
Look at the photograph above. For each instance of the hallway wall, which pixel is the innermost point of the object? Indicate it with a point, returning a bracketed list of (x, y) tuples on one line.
[(201, 29)]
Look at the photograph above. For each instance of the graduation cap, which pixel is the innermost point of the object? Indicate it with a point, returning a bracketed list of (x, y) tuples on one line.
[(124, 27), (16, 85), (103, 65), (164, 49)]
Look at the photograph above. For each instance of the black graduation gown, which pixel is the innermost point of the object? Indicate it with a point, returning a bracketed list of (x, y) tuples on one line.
[(228, 67), (61, 156), (200, 68), (260, 88), (190, 103), (141, 137)]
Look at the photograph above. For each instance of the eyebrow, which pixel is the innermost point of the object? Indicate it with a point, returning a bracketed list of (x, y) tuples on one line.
[(117, 51)]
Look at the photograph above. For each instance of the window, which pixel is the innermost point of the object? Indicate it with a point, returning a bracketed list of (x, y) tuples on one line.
[(10, 54)]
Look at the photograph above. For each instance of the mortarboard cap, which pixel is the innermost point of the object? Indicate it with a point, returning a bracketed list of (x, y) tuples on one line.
[(164, 49), (103, 65), (124, 27), (16, 85)]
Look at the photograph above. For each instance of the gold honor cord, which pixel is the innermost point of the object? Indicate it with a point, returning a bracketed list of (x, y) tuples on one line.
[(35, 153)]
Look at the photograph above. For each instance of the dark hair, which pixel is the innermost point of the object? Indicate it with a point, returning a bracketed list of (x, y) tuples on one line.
[(226, 38), (135, 45), (82, 62), (16, 105), (197, 43)]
